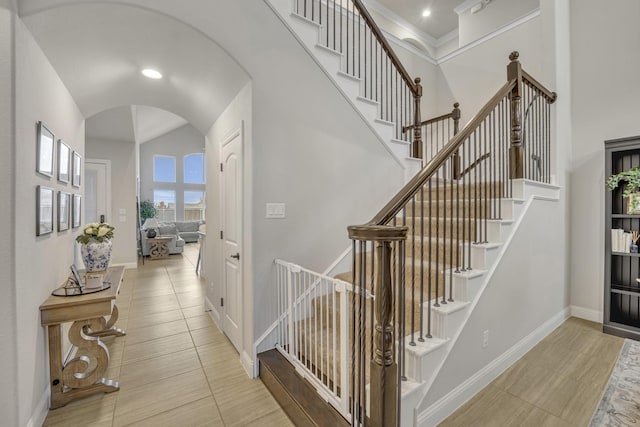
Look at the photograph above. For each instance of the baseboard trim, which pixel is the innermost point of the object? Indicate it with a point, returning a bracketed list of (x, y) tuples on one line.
[(41, 410), (448, 404), (248, 364), (213, 312), (587, 314)]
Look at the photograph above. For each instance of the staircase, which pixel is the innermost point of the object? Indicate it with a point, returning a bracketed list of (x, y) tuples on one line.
[(372, 340), (385, 108)]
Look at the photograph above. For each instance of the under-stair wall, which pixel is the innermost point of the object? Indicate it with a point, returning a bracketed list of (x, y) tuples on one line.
[(526, 299)]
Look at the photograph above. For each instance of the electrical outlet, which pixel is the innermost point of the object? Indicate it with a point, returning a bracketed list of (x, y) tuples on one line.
[(485, 339)]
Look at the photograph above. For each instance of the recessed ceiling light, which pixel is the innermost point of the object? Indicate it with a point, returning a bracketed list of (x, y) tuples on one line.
[(426, 13), (151, 73)]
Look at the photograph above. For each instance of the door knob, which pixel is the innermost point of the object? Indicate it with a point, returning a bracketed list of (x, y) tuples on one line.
[(236, 256)]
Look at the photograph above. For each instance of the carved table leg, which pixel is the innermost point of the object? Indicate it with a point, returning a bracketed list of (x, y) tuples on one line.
[(107, 329), (76, 379)]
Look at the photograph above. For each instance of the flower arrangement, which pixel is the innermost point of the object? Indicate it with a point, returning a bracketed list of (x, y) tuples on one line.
[(99, 232)]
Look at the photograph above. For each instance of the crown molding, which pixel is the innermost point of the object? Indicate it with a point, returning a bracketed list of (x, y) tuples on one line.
[(410, 47), (451, 35), (513, 24)]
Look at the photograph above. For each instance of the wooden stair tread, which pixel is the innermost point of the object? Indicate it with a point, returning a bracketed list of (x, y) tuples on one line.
[(296, 396)]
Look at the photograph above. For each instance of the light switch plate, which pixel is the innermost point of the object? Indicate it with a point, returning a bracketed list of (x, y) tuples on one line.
[(123, 211), (276, 210)]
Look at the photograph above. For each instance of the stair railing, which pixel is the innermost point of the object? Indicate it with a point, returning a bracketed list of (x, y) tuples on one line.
[(437, 131), (348, 28), (446, 213)]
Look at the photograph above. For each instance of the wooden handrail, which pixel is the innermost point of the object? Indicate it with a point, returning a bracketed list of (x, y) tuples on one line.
[(377, 32), (551, 96), (396, 204)]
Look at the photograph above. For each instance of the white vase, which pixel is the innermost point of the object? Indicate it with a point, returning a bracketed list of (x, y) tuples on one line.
[(96, 255)]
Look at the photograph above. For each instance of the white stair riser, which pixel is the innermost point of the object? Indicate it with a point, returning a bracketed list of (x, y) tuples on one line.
[(444, 325), (368, 108), (421, 367), (306, 30), (349, 85), (465, 288), (482, 257), (329, 59)]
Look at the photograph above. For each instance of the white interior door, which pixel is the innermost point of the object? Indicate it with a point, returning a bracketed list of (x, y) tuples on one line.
[(97, 190), (232, 256)]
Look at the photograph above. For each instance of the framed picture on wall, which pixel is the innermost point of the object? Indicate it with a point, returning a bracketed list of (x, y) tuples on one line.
[(44, 150), (64, 164), (44, 210), (76, 168), (64, 210), (77, 210)]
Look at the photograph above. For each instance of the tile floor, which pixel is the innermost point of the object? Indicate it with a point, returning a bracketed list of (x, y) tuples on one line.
[(176, 368), (174, 365), (558, 383)]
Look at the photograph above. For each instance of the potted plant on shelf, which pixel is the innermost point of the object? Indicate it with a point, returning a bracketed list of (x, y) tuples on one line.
[(95, 242), (631, 190)]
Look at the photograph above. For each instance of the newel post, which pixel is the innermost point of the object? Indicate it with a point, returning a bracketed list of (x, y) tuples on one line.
[(383, 408), (417, 121), (516, 151)]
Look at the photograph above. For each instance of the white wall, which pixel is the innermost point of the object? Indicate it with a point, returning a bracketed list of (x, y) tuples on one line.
[(123, 195), (177, 143), (237, 116), (493, 16), (42, 263), (472, 76), (531, 274), (8, 320), (604, 46)]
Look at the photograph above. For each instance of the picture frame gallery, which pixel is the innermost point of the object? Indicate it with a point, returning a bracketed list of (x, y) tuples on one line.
[(56, 158)]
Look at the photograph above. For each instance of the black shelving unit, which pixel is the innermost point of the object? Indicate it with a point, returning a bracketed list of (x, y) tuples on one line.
[(621, 290)]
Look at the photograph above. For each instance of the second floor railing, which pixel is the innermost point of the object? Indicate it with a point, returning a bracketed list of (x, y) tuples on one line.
[(348, 28)]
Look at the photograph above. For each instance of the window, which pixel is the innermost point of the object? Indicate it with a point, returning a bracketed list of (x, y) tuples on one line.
[(194, 168), (164, 169), (193, 205), (165, 203)]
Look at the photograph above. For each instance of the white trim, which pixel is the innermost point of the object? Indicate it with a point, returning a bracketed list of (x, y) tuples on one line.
[(410, 47), (587, 314), (248, 364), (338, 261), (213, 312), (508, 27), (41, 410), (459, 395), (107, 184), (451, 35)]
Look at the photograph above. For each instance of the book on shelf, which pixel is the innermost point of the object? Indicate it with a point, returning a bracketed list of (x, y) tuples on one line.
[(620, 240)]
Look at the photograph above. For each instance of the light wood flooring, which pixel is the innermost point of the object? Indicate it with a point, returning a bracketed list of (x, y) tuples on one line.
[(558, 383), (174, 365)]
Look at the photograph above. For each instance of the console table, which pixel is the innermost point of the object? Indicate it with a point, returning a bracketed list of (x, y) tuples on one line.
[(88, 313)]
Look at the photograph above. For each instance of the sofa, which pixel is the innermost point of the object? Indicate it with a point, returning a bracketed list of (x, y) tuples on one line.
[(175, 245), (188, 230)]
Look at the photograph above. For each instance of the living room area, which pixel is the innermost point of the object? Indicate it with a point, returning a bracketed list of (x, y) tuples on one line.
[(170, 164)]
